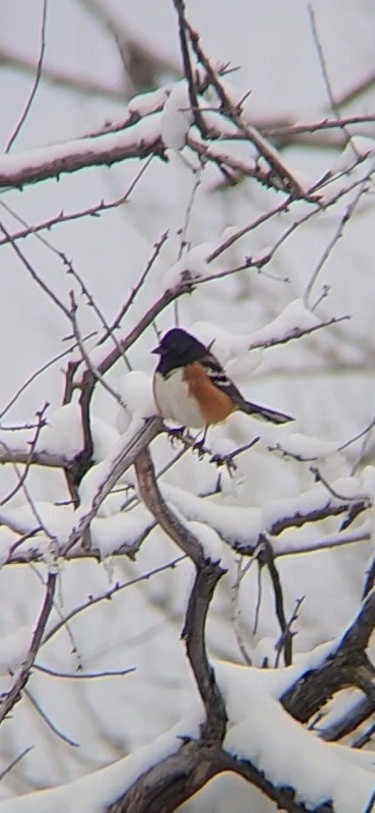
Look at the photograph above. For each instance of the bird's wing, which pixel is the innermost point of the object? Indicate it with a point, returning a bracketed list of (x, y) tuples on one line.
[(220, 379)]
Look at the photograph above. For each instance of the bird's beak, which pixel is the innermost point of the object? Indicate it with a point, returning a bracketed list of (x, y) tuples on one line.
[(157, 350)]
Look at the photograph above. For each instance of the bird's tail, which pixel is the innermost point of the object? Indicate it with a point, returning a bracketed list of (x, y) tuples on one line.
[(263, 413)]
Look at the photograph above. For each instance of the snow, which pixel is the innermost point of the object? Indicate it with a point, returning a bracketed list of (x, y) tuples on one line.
[(290, 756), (327, 380), (177, 117), (146, 131), (222, 126), (95, 477), (231, 153), (209, 539), (55, 520), (242, 526), (145, 103), (93, 792), (294, 316), (62, 435), (259, 730), (119, 532), (135, 389), (308, 448), (228, 346), (190, 268)]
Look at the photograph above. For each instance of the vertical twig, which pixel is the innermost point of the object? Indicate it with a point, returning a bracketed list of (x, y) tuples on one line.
[(37, 79), (23, 675)]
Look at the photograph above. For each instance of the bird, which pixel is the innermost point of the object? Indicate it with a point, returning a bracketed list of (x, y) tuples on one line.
[(191, 387)]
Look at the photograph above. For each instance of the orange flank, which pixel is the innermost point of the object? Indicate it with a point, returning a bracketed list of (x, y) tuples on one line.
[(215, 405)]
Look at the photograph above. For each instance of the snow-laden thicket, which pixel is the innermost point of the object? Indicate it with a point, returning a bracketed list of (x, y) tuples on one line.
[(143, 186)]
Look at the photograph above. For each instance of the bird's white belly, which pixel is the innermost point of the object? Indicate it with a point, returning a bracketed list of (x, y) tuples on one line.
[(174, 402)]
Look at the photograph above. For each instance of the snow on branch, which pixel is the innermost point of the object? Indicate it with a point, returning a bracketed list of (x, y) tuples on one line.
[(137, 141), (346, 664), (241, 527)]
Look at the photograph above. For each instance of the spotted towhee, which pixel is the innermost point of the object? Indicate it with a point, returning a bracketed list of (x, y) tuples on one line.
[(191, 387)]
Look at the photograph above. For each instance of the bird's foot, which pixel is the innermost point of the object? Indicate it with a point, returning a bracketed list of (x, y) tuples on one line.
[(199, 446), (176, 434)]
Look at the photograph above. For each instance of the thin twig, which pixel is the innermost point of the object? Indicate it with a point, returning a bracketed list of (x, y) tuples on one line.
[(62, 217), (83, 675), (35, 276), (39, 371), (188, 71), (48, 721), (41, 422), (15, 761), (266, 557), (285, 180), (38, 76), (93, 600), (116, 323), (334, 240), (324, 69), (24, 673)]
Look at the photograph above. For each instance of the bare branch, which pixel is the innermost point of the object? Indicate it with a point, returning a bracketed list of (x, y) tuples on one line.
[(37, 79), (41, 422), (48, 721), (188, 71), (345, 666), (35, 276), (66, 217), (157, 249), (93, 600), (21, 679)]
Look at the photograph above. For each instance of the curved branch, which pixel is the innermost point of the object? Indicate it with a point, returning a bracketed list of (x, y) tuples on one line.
[(348, 665), (177, 778), (207, 576), (23, 675)]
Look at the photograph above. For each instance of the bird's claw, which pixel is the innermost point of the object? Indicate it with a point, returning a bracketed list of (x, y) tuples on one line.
[(176, 434), (199, 448)]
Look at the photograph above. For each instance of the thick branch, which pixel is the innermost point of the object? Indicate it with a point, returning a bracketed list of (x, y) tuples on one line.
[(177, 778), (207, 575), (347, 666)]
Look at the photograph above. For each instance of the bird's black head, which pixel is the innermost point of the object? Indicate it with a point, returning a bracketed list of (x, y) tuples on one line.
[(177, 348)]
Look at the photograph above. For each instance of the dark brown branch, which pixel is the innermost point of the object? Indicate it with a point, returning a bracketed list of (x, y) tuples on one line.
[(267, 557), (179, 776), (198, 118), (346, 666), (359, 712), (206, 579), (283, 179), (207, 575), (166, 518)]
